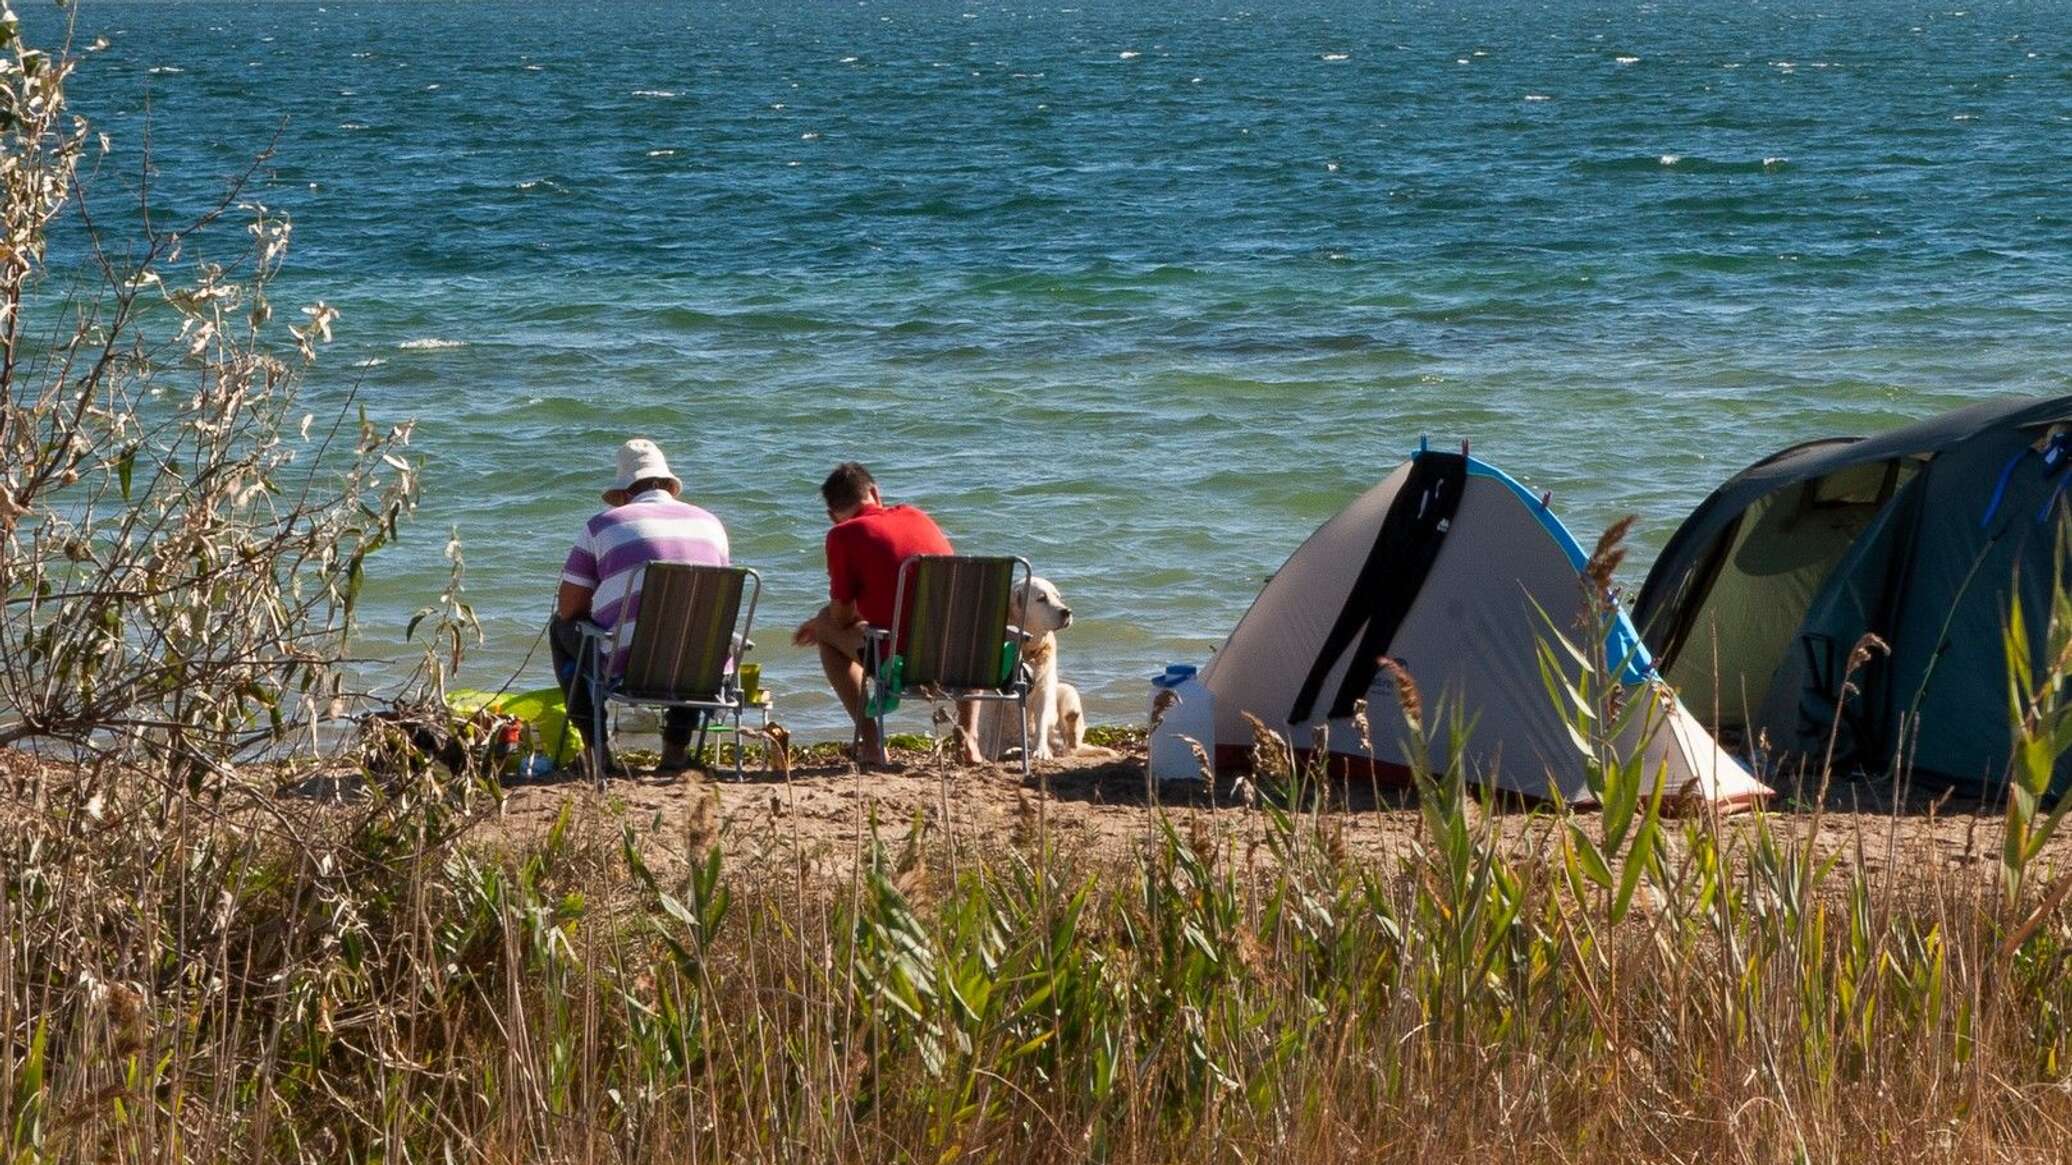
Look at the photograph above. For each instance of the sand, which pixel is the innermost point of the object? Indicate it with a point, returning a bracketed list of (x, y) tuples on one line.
[(819, 817)]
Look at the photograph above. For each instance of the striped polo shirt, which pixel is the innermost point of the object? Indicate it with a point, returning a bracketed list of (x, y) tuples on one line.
[(616, 544)]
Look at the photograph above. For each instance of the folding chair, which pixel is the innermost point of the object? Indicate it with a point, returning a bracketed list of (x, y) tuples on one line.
[(690, 629), (950, 636)]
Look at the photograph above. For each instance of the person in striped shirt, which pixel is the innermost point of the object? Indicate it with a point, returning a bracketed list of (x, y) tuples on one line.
[(645, 521)]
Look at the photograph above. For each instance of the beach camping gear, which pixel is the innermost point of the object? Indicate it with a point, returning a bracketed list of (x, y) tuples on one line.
[(1458, 574), (545, 731), (1923, 536), (1183, 714), (689, 634), (640, 460), (950, 637)]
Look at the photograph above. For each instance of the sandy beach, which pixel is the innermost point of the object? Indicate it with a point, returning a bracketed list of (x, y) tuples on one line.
[(824, 816)]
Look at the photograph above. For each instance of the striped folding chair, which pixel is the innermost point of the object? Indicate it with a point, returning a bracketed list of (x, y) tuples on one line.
[(950, 636), (690, 630)]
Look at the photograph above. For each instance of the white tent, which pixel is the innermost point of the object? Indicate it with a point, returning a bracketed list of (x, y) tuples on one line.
[(1445, 567)]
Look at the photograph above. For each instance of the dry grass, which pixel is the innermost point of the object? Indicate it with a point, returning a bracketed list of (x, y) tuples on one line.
[(232, 978), (933, 968)]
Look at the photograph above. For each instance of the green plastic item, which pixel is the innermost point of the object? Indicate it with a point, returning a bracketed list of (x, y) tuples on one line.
[(1010, 659), (885, 698), (543, 712)]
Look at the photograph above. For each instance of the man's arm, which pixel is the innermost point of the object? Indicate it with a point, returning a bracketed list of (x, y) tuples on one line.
[(839, 616), (831, 624), (579, 579), (835, 622), (573, 602)]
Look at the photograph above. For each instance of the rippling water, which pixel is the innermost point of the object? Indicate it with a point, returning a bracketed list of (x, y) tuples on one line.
[(1142, 291)]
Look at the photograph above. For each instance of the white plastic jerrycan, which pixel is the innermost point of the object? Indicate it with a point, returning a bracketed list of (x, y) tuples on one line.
[(1188, 712)]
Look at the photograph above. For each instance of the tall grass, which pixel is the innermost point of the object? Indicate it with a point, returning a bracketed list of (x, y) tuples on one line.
[(230, 979), (219, 973)]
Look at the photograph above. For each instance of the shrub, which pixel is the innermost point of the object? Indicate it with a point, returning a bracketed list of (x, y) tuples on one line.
[(181, 541)]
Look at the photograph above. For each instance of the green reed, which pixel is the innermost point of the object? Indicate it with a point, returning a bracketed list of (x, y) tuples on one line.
[(223, 978)]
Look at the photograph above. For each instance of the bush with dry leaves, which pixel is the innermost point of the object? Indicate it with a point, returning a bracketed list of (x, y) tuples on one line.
[(182, 538)]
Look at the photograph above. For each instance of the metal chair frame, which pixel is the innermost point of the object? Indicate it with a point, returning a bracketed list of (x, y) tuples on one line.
[(883, 646), (728, 702)]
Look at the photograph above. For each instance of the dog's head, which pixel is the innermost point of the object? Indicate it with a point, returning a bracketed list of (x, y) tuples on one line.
[(1039, 609)]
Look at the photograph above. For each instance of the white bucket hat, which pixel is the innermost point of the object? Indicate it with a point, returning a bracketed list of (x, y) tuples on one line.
[(640, 460)]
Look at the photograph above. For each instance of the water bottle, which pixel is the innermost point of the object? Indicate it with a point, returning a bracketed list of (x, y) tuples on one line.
[(1182, 708)]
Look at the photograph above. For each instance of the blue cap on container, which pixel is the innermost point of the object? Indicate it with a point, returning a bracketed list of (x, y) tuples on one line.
[(1175, 673)]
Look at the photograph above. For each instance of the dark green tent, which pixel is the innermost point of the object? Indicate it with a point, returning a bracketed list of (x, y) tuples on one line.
[(1917, 535)]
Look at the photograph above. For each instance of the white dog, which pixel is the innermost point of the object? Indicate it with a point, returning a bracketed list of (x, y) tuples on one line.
[(1040, 611)]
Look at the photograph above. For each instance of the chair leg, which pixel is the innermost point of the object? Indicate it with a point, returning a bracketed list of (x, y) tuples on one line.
[(598, 749), (868, 709), (594, 676), (873, 688), (739, 775), (1022, 705)]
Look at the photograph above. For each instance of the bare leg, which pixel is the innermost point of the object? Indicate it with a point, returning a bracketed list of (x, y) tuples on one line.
[(845, 676), (678, 724), (967, 731)]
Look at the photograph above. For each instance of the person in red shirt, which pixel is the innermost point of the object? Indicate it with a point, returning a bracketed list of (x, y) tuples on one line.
[(865, 547)]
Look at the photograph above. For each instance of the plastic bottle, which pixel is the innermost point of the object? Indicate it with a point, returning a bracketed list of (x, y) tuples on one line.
[(1182, 709)]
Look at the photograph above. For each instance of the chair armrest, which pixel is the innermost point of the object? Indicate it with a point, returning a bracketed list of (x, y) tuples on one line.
[(597, 642), (879, 641)]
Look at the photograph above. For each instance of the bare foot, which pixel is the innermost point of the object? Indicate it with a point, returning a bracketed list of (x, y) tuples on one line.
[(869, 753), (967, 743), (874, 761)]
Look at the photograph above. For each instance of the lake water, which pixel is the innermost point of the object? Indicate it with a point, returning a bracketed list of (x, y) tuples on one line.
[(1141, 291)]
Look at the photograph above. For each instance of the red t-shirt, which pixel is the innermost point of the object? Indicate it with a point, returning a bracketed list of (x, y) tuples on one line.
[(864, 553)]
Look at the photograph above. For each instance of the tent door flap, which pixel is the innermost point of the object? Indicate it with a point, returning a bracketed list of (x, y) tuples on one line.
[(1404, 550)]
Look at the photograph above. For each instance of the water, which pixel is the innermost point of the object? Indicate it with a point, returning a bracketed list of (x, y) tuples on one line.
[(1142, 291)]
